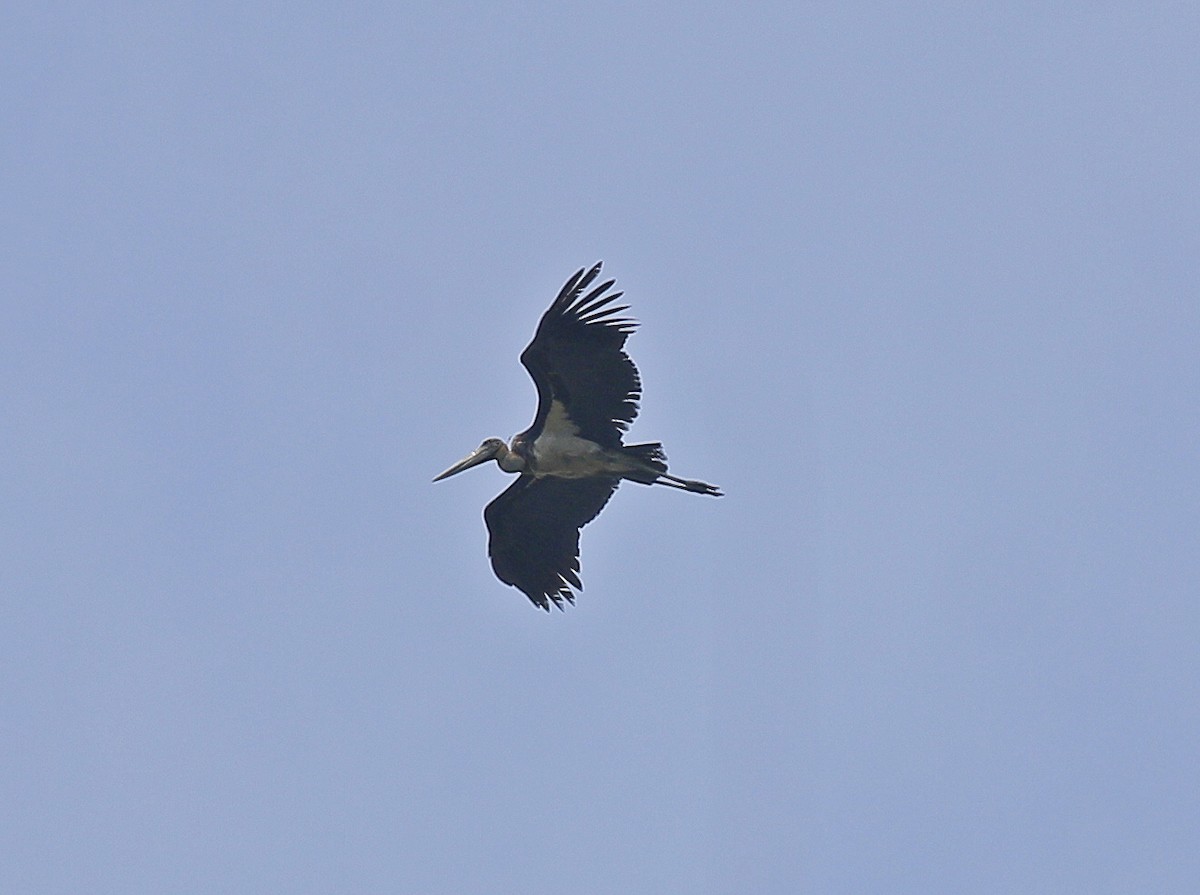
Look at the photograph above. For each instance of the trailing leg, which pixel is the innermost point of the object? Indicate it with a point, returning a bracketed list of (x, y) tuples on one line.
[(650, 463)]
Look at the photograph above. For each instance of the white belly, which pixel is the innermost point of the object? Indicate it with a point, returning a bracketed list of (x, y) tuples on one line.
[(559, 451), (568, 456)]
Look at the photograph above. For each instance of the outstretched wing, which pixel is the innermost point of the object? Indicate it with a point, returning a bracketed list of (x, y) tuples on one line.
[(533, 533), (576, 360)]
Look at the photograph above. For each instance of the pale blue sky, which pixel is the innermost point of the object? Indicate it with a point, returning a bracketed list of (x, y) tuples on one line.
[(918, 290)]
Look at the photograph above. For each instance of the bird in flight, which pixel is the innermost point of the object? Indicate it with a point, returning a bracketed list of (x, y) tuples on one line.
[(571, 460)]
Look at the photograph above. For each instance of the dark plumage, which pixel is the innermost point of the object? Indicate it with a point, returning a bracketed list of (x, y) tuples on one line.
[(572, 458), (577, 351), (533, 529)]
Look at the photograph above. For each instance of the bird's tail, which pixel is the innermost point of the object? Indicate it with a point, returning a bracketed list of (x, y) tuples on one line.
[(651, 462)]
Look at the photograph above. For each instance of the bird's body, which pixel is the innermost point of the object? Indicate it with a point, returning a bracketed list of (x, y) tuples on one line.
[(571, 460)]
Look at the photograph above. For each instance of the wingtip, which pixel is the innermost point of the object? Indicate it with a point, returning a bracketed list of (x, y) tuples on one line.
[(555, 601), (558, 600), (589, 277), (576, 284)]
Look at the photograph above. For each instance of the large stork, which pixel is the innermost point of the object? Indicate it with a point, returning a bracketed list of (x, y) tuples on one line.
[(571, 459)]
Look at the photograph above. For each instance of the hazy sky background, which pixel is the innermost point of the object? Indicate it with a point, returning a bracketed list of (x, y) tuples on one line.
[(918, 290)]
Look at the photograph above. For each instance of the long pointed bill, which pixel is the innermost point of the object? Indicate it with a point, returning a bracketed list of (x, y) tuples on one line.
[(480, 455)]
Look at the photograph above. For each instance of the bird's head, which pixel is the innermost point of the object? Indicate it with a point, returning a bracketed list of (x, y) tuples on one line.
[(491, 449)]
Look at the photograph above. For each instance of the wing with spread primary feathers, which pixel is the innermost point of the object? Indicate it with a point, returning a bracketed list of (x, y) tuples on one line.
[(533, 533), (577, 359)]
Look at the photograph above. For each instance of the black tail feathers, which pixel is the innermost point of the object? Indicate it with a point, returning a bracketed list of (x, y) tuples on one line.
[(653, 462), (651, 457)]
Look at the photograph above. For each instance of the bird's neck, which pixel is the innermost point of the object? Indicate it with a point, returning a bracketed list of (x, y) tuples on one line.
[(510, 459)]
